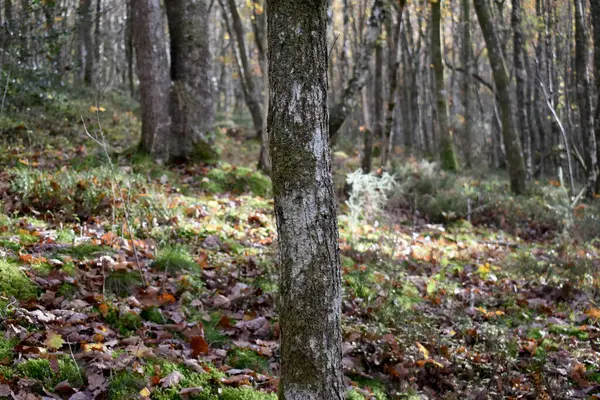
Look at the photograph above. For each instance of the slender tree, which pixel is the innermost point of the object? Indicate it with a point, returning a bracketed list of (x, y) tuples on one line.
[(248, 84), (305, 207), (347, 103), (465, 84), (153, 72), (192, 113), (448, 158), (512, 144), (586, 121)]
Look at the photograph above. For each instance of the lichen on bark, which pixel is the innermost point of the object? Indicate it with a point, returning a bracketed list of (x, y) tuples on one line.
[(310, 279)]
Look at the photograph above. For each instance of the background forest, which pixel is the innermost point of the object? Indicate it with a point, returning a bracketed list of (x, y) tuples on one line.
[(138, 243)]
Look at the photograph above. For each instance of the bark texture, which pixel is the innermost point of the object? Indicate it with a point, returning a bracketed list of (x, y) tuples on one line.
[(153, 72), (448, 159), (584, 103), (522, 121), (595, 13), (514, 156), (465, 84), (192, 113), (310, 282)]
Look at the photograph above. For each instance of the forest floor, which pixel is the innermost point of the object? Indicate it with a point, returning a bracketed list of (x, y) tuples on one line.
[(126, 280)]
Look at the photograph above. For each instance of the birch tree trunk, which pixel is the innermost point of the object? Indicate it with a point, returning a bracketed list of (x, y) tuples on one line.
[(310, 278), (192, 113), (153, 72)]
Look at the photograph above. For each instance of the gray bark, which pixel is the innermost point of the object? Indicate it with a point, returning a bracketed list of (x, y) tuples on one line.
[(586, 120), (153, 72), (305, 208), (514, 156), (192, 113)]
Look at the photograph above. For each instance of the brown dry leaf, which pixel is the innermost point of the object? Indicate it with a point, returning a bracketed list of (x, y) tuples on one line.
[(199, 346)]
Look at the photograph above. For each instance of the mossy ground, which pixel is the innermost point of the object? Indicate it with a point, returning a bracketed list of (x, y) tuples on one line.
[(168, 253)]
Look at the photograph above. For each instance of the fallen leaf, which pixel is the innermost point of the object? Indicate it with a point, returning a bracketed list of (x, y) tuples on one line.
[(423, 350), (172, 379), (145, 392), (199, 346), (54, 341)]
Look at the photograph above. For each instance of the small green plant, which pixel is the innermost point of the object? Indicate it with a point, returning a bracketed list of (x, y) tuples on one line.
[(244, 358), (153, 314), (40, 370), (122, 282), (172, 259), (226, 178), (125, 385)]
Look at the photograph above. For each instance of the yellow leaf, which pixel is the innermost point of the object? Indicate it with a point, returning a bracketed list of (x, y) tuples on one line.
[(94, 109), (423, 350), (145, 392), (54, 341)]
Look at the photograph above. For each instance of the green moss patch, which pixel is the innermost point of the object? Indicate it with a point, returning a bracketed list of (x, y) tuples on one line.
[(15, 283)]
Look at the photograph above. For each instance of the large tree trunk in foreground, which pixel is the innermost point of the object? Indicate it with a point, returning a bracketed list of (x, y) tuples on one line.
[(310, 281), (514, 156), (191, 107), (153, 72), (448, 159)]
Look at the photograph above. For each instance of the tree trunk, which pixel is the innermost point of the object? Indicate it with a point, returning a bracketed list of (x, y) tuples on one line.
[(393, 39), (153, 72), (465, 85), (521, 122), (448, 159), (97, 40), (252, 101), (370, 137), (85, 27), (584, 104), (345, 106), (514, 156), (192, 113), (305, 207), (129, 48), (595, 11)]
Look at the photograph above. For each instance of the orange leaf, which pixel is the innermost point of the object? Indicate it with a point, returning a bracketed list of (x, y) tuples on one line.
[(199, 346), (104, 309)]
